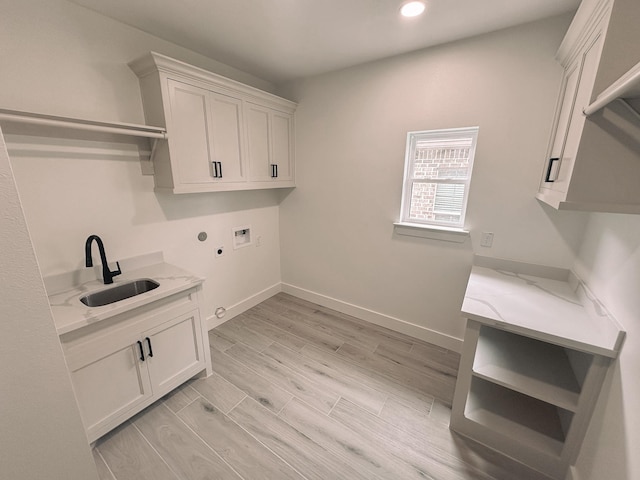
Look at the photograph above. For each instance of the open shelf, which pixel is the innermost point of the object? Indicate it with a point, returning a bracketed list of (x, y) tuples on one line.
[(126, 129), (538, 369), (521, 418)]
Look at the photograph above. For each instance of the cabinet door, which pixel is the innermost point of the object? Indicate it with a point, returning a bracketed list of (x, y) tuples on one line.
[(270, 135), (282, 145), (189, 139), (588, 70), (566, 104), (226, 137), (258, 125), (109, 387), (174, 352)]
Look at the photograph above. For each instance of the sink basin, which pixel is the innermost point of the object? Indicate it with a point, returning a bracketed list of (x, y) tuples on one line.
[(119, 292)]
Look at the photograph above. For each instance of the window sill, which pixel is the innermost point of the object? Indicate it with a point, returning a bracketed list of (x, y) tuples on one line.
[(447, 234)]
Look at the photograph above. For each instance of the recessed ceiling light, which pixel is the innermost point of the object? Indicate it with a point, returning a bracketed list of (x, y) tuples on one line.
[(412, 9)]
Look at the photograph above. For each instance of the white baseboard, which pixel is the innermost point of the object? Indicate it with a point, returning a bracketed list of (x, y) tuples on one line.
[(244, 305), (392, 323)]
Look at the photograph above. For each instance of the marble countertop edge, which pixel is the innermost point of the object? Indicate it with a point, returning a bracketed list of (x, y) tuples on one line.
[(557, 308), (70, 314)]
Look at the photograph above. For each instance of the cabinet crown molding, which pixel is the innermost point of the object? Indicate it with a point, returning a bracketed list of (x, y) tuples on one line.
[(153, 63), (588, 15)]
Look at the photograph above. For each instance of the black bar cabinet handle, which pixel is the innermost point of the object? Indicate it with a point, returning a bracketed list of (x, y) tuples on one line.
[(149, 345), (215, 169), (547, 177), (276, 165), (220, 169), (141, 350)]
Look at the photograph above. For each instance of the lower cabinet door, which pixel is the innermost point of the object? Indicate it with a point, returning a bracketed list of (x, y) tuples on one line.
[(174, 352), (108, 388)]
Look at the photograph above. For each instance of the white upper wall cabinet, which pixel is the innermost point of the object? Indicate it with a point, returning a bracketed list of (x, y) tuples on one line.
[(593, 162), (270, 144), (223, 135)]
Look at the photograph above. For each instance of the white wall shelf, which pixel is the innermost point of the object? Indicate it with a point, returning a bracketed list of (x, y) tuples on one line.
[(126, 129), (66, 124)]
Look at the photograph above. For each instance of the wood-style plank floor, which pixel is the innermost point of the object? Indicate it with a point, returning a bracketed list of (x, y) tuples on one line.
[(303, 392)]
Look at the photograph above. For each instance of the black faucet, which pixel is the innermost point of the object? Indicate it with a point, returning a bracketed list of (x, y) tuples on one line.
[(107, 275)]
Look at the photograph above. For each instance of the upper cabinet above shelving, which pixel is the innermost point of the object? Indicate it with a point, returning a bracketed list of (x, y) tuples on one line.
[(223, 135), (593, 160)]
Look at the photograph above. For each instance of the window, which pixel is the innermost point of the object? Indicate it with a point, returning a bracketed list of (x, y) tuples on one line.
[(437, 174)]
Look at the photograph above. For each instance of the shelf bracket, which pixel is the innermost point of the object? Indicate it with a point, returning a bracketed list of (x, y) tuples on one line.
[(630, 109), (627, 86), (147, 165)]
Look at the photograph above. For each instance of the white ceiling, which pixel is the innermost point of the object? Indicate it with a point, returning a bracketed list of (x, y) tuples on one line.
[(281, 40)]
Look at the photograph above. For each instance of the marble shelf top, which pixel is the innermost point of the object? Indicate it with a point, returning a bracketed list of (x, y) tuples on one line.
[(70, 314), (562, 312)]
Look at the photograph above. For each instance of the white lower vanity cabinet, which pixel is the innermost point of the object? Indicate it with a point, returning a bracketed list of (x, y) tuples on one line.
[(533, 364), (120, 365)]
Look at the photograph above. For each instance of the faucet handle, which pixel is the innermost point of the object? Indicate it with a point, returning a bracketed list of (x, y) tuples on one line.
[(116, 272)]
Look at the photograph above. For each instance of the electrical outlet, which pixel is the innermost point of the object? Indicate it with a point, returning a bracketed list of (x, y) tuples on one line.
[(219, 251), (486, 239)]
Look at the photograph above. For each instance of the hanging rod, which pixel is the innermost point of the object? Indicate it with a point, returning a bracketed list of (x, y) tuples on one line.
[(128, 129), (627, 86)]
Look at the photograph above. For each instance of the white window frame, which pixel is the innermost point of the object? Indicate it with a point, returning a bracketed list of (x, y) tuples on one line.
[(409, 180)]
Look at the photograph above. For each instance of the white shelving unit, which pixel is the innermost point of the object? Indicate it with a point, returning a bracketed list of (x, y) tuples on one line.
[(532, 367), (39, 123), (536, 352)]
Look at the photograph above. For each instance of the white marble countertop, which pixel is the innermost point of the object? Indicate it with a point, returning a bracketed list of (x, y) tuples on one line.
[(562, 312), (70, 314)]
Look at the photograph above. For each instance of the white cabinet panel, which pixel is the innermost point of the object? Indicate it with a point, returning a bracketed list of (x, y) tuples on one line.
[(282, 135), (189, 142), (206, 140), (593, 162), (588, 69), (227, 137), (223, 135), (270, 134), (259, 144), (570, 87), (99, 399), (176, 352)]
